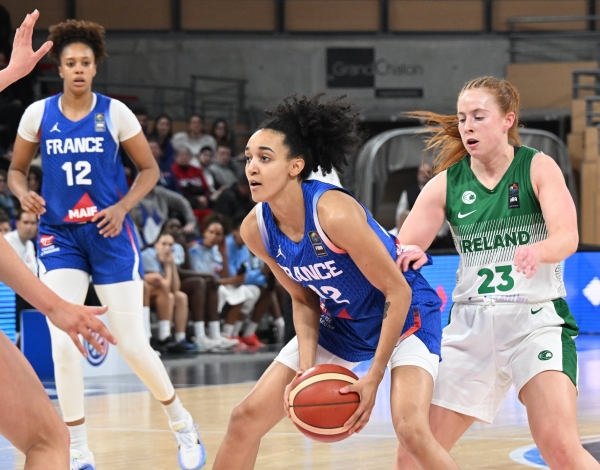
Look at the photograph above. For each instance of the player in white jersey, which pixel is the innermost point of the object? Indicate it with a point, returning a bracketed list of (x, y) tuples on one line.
[(513, 222), (85, 229), (27, 417)]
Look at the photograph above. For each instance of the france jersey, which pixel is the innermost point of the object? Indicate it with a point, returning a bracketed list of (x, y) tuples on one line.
[(351, 308), (82, 175)]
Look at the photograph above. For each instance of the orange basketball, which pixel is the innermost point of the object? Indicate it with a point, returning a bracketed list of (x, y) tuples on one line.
[(317, 407)]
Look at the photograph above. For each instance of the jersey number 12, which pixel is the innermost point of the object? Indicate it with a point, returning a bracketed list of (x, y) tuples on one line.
[(82, 168)]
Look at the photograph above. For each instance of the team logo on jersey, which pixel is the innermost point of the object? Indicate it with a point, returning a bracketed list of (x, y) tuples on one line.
[(317, 244), (55, 128), (513, 196), (84, 210), (469, 197), (280, 253), (100, 122), (94, 357), (545, 355)]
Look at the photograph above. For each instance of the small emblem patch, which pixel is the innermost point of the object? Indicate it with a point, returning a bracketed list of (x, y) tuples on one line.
[(100, 122), (513, 196), (317, 244), (545, 355)]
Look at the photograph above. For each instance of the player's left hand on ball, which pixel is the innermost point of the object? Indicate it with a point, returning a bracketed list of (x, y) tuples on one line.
[(112, 220), (366, 387), (81, 320), (527, 260), (286, 394)]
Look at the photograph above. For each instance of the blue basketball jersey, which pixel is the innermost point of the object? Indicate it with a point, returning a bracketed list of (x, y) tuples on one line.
[(81, 164), (351, 308)]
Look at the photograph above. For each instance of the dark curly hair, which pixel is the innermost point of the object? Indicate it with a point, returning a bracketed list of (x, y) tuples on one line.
[(72, 31), (216, 218), (322, 133)]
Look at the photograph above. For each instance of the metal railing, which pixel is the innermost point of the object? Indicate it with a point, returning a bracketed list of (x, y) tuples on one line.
[(578, 44), (219, 97)]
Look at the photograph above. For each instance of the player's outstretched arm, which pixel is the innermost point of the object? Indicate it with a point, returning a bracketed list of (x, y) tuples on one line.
[(72, 319), (23, 57)]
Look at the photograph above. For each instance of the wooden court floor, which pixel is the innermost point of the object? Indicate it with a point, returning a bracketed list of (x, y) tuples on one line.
[(130, 431)]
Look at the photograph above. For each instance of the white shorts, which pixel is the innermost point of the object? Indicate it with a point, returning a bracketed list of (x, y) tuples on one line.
[(234, 295), (410, 352), (486, 348)]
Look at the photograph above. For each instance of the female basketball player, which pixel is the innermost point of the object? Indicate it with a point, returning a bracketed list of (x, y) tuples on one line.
[(85, 229), (27, 417), (513, 222), (351, 303)]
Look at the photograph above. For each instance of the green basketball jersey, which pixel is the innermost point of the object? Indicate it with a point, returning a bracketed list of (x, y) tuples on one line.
[(488, 225)]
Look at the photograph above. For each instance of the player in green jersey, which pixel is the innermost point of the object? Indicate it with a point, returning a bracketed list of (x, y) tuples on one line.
[(513, 221)]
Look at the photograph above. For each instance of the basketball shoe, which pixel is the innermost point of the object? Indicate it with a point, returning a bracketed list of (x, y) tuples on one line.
[(252, 341), (82, 460), (192, 454)]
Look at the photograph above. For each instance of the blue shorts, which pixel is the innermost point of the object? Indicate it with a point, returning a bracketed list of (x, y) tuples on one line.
[(80, 246)]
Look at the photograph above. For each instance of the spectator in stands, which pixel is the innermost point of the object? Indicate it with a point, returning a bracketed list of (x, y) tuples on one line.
[(141, 113), (407, 201), (205, 159), (222, 170), (162, 288), (20, 238), (34, 179), (166, 178), (4, 223), (7, 202), (150, 214), (235, 201), (190, 180), (220, 131), (194, 138), (200, 288), (163, 133), (209, 256), (239, 256)]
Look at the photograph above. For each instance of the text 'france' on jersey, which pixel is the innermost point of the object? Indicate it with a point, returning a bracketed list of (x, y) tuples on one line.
[(81, 164), (351, 308)]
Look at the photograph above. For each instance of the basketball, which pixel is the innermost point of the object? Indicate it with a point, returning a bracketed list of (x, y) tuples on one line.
[(317, 407)]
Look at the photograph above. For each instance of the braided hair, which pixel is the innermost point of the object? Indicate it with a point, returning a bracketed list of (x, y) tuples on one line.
[(322, 133)]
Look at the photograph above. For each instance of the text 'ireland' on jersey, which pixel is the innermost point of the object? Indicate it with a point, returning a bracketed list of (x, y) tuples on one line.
[(488, 225), (351, 308), (81, 164)]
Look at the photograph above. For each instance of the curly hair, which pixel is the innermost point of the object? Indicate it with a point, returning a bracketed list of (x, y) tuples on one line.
[(216, 218), (72, 31), (322, 133)]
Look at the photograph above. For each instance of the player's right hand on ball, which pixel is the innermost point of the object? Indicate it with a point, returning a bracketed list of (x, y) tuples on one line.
[(81, 320), (33, 203), (286, 394)]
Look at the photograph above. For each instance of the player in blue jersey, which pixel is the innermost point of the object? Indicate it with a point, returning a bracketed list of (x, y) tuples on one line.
[(85, 229), (351, 302)]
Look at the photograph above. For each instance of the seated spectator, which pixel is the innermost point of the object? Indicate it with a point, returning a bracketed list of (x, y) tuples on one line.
[(239, 261), (190, 180), (235, 201), (141, 113), (155, 208), (201, 289), (162, 288), (210, 256), (166, 178), (205, 159), (34, 179), (7, 201), (162, 132), (220, 131), (4, 223), (407, 201), (221, 168), (194, 138), (20, 239)]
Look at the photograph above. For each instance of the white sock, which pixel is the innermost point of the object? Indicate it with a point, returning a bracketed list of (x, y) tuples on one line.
[(146, 315), (199, 330), (214, 329), (79, 438), (228, 330), (175, 411), (164, 329), (279, 323), (250, 329), (179, 336), (237, 326)]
